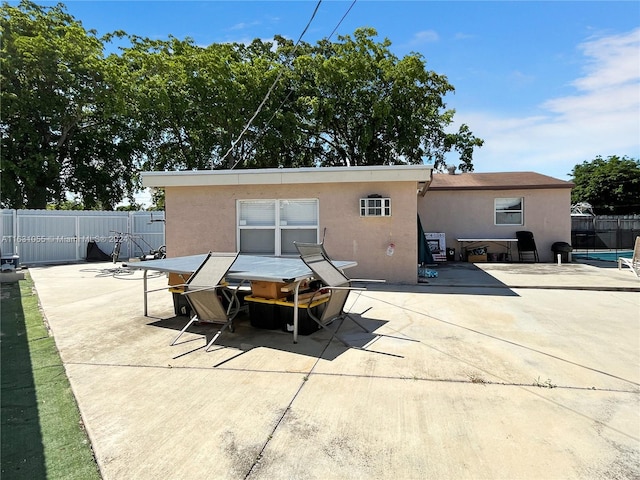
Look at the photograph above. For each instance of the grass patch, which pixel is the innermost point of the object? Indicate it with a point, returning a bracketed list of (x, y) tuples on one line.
[(42, 435)]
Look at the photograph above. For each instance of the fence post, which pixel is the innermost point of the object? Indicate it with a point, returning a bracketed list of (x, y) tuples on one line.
[(77, 235), (131, 227), (16, 233)]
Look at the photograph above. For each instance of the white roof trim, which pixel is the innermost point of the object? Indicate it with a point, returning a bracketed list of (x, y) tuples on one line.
[(276, 176)]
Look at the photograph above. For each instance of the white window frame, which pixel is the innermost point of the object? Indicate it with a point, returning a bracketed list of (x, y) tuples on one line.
[(279, 225), (370, 208), (496, 211)]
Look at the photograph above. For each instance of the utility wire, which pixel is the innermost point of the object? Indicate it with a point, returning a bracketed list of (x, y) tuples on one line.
[(266, 97), (328, 38), (278, 78), (343, 17)]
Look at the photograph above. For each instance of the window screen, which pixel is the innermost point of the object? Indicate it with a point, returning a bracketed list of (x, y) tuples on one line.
[(269, 227), (257, 213), (260, 242), (298, 212), (296, 235), (509, 211)]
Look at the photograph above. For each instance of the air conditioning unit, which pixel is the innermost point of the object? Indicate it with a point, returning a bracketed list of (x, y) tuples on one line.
[(375, 207)]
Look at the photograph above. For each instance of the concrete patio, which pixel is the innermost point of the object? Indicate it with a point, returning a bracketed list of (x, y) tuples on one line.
[(509, 371)]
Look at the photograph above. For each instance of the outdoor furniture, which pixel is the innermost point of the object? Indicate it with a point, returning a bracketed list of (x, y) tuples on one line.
[(526, 246), (634, 262), (561, 251), (247, 267), (315, 257), (204, 290), (470, 243), (311, 249)]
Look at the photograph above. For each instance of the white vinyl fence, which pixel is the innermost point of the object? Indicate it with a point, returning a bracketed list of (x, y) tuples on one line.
[(59, 236)]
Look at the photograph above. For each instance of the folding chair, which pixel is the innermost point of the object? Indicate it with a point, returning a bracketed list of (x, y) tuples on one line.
[(204, 290), (311, 249), (526, 245), (315, 257)]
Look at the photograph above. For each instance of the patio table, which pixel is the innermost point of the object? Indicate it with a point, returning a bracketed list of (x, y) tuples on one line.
[(246, 267), (506, 243)]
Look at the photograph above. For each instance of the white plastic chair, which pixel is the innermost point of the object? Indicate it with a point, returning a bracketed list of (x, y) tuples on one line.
[(634, 262)]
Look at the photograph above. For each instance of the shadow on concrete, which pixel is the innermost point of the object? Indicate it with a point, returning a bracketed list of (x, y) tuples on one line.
[(455, 278), (496, 291), (245, 337)]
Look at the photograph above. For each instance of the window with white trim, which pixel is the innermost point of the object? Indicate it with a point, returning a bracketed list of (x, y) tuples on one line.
[(269, 227), (509, 211), (375, 207)]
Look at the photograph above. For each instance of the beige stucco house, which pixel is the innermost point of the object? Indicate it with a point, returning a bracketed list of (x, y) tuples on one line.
[(366, 214), (496, 205)]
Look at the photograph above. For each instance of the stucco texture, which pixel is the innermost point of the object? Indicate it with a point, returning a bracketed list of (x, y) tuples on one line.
[(203, 218), (470, 214)]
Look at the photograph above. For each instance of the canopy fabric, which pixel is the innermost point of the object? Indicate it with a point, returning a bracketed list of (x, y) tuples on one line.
[(424, 252)]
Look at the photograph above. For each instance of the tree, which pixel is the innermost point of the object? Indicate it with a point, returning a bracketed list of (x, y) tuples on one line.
[(279, 136), (190, 103), (367, 107), (611, 185), (59, 130), (174, 92), (75, 122), (345, 103)]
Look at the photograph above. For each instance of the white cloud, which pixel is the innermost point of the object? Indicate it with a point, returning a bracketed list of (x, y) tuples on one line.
[(520, 79), (425, 36), (601, 118), (463, 36), (144, 198), (244, 25), (615, 60)]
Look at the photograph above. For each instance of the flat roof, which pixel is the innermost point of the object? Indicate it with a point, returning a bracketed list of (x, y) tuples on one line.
[(275, 176), (496, 181)]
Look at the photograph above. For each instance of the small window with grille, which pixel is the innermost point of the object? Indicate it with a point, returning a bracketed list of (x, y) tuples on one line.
[(375, 207)]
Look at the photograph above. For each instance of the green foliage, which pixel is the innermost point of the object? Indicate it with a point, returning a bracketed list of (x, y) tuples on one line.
[(367, 107), (75, 121), (611, 185), (59, 131), (66, 205)]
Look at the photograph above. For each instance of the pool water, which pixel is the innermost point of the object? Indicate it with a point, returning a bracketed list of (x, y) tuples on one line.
[(605, 256)]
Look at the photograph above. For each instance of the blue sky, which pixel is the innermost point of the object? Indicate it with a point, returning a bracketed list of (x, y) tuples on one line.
[(546, 84)]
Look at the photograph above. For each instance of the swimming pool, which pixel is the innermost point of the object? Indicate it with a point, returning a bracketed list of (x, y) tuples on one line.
[(603, 255)]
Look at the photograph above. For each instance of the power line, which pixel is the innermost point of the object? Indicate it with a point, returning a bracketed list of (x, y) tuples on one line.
[(278, 78), (290, 91), (343, 17), (266, 97)]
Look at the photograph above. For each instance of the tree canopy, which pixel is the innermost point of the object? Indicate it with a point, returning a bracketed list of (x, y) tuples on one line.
[(75, 120), (59, 131), (611, 185)]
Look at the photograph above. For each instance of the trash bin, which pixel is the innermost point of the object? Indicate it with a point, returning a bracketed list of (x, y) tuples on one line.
[(180, 304), (563, 249), (451, 254)]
